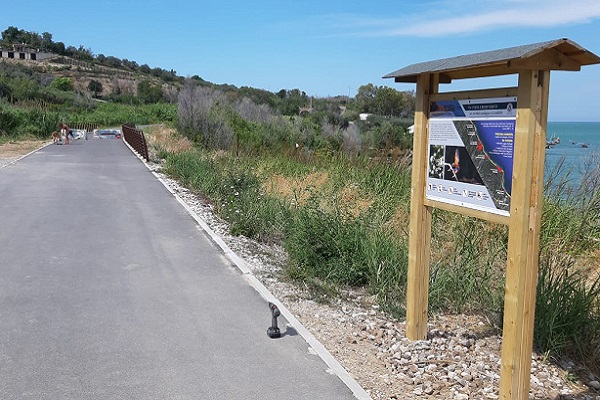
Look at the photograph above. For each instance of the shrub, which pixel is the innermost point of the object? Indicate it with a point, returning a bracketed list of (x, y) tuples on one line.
[(326, 245), (64, 84), (198, 173), (9, 121), (250, 212)]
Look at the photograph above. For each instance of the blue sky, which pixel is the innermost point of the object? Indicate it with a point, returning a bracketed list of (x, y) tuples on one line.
[(324, 48)]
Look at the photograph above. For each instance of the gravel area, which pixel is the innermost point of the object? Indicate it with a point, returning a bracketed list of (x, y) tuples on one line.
[(459, 360)]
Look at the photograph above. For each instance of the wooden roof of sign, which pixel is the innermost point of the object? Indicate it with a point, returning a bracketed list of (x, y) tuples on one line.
[(560, 54)]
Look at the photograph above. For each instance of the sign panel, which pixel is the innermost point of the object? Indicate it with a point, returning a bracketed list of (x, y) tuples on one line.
[(471, 145)]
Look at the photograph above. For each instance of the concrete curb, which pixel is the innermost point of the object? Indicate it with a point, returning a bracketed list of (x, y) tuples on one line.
[(334, 366)]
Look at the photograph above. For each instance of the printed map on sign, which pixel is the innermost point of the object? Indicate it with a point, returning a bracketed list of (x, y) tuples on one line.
[(471, 144)]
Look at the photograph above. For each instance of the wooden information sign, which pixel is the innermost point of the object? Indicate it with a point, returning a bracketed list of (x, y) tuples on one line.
[(495, 141)]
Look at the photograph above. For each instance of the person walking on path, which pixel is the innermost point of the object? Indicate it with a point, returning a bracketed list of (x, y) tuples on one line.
[(65, 131)]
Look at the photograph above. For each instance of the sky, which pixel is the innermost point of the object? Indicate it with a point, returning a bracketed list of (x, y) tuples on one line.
[(323, 47)]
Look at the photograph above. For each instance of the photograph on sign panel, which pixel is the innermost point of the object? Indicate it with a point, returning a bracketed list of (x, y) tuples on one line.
[(436, 162), (460, 167)]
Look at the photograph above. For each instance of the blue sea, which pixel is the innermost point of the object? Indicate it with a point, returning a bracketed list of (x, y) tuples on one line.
[(574, 137)]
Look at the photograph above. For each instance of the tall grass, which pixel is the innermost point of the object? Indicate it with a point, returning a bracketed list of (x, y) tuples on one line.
[(199, 173), (567, 320), (345, 222), (469, 256), (327, 236), (326, 244)]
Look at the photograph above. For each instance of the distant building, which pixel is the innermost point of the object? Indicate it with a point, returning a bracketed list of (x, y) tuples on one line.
[(24, 52)]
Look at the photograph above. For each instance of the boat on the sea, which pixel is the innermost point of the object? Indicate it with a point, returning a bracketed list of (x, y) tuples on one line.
[(582, 145), (553, 141)]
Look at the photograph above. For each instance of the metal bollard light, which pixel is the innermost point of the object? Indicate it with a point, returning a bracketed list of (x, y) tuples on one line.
[(273, 331)]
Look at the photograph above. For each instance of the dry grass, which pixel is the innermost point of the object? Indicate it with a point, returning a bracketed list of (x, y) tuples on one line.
[(169, 140), (298, 189), (19, 148), (400, 220), (353, 201)]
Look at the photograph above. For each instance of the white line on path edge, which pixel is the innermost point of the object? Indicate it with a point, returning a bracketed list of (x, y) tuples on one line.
[(335, 367)]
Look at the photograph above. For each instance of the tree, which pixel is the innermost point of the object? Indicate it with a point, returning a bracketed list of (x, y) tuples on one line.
[(204, 115), (59, 48), (365, 98), (387, 101), (24, 89), (63, 83), (145, 69), (12, 34), (383, 100), (292, 101), (112, 61), (46, 41), (84, 54), (132, 65), (149, 93), (95, 87), (70, 51)]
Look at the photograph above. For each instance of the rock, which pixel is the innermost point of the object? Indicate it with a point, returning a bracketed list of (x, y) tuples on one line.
[(428, 390), (594, 385)]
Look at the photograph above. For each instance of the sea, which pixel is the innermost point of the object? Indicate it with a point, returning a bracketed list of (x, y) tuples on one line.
[(578, 150)]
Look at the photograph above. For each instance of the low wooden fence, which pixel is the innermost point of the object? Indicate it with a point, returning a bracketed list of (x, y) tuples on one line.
[(83, 125), (136, 139)]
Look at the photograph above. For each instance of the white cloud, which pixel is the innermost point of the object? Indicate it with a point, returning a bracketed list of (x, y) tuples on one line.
[(441, 17)]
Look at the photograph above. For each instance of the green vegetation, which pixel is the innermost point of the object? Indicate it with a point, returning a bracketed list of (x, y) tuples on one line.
[(39, 121), (343, 222), (331, 188), (326, 239)]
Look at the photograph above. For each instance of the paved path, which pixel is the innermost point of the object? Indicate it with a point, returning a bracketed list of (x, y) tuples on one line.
[(110, 290)]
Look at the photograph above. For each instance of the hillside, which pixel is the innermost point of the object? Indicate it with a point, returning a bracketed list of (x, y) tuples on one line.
[(112, 80)]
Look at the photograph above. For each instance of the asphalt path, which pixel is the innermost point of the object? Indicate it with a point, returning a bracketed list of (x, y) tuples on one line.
[(109, 289)]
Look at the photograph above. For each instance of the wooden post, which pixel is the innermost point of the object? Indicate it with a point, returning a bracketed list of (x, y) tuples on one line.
[(419, 243), (524, 232)]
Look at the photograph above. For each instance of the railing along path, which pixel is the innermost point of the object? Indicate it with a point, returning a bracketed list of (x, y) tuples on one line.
[(136, 139)]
